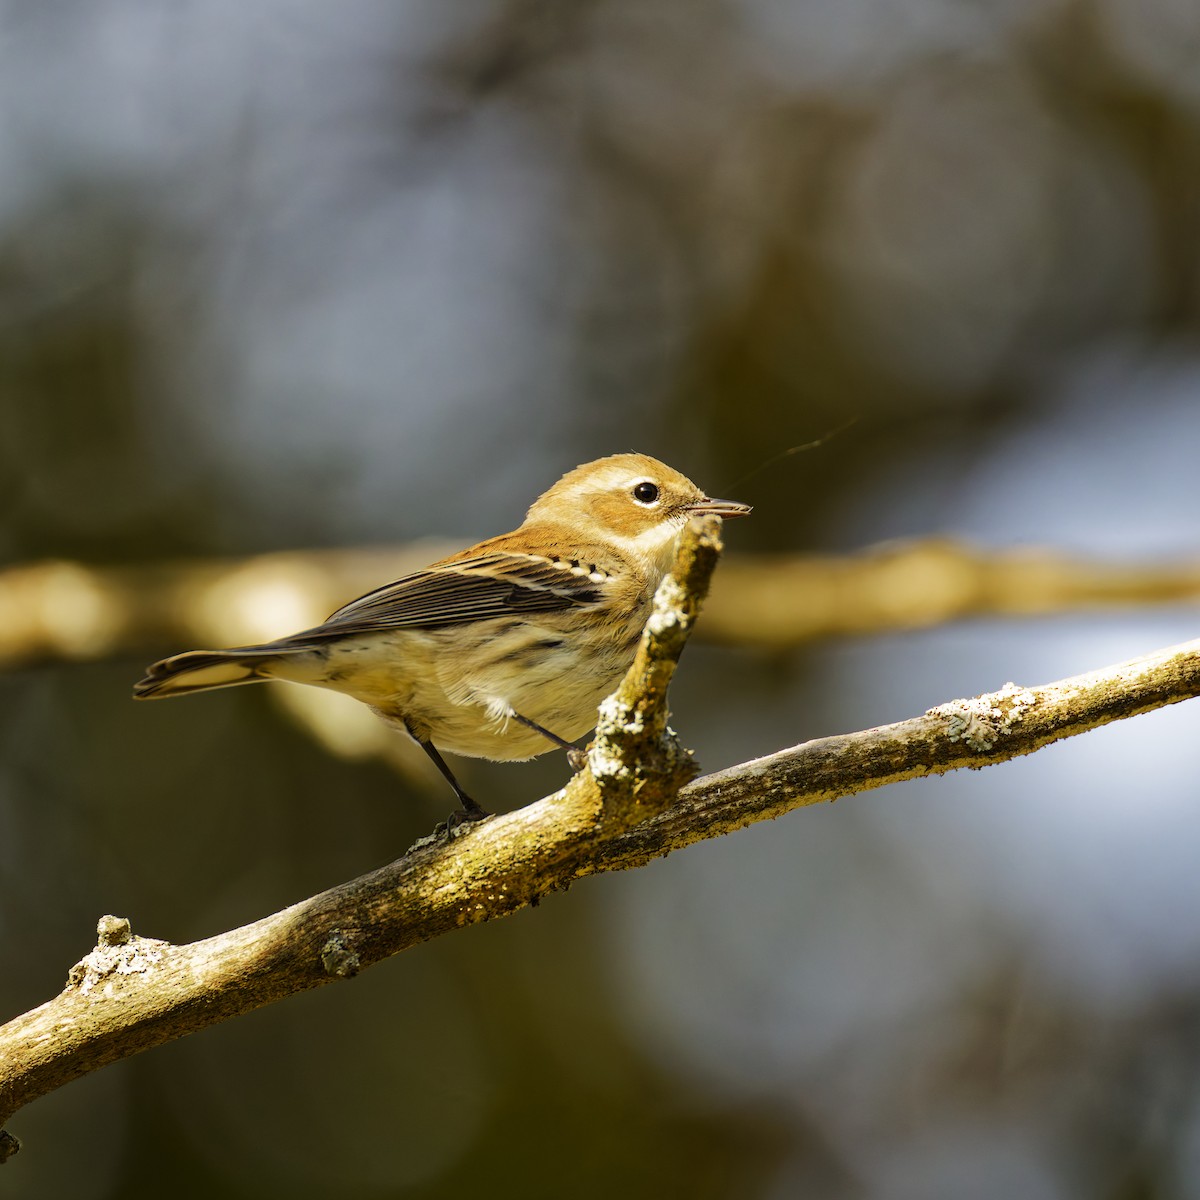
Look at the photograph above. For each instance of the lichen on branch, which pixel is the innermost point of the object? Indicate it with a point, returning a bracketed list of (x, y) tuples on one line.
[(637, 761)]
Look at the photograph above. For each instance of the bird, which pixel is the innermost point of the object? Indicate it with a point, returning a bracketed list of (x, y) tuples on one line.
[(503, 650)]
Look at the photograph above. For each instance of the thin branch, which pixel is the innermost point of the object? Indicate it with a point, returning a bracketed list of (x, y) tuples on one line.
[(782, 601), (133, 993), (975, 732), (67, 611)]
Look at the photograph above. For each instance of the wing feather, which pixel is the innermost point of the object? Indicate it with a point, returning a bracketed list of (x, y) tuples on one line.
[(461, 592)]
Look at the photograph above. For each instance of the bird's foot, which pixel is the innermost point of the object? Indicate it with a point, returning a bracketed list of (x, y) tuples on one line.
[(460, 818), (453, 826)]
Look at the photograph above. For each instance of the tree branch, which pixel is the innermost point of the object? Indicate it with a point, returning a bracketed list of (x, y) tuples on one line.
[(54, 611), (787, 600), (133, 993)]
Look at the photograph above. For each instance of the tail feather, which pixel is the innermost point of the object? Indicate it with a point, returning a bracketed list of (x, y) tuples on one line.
[(202, 670)]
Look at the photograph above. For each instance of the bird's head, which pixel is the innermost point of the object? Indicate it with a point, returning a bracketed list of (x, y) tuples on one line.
[(632, 500)]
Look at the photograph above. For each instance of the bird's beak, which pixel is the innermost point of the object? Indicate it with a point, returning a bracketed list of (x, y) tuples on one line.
[(720, 508)]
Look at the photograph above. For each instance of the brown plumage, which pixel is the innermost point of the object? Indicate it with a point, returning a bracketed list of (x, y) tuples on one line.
[(505, 649)]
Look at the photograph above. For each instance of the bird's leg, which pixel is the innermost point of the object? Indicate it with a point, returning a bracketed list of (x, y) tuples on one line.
[(470, 810), (576, 757)]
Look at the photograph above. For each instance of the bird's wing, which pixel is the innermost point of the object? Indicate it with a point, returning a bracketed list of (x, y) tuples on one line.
[(460, 592)]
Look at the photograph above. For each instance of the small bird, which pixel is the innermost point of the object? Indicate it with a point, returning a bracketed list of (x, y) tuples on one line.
[(504, 650)]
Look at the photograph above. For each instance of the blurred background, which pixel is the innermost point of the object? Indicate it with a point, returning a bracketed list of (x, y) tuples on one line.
[(302, 275)]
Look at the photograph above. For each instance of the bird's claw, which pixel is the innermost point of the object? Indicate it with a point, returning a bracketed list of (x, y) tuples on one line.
[(458, 819)]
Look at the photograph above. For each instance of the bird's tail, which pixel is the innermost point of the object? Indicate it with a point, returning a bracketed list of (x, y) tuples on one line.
[(201, 670)]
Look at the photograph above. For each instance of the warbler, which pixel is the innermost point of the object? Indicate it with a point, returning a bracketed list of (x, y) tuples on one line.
[(504, 650)]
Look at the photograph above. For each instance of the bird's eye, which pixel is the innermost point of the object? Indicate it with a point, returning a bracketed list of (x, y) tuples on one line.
[(645, 492)]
